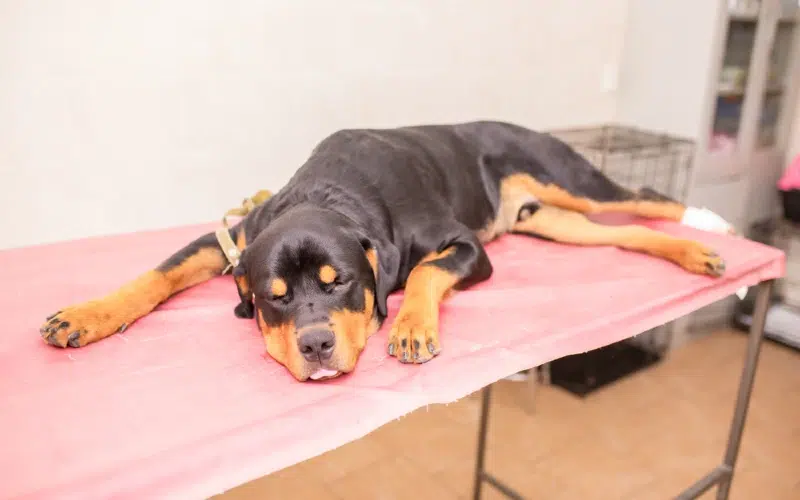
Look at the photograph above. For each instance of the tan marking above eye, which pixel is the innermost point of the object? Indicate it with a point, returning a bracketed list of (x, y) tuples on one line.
[(327, 274), (278, 287)]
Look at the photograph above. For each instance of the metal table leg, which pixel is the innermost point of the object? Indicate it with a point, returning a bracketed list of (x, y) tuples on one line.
[(723, 474), (481, 475), (746, 385), (486, 395)]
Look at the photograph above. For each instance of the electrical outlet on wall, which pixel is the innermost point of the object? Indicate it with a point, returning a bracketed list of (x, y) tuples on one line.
[(609, 83)]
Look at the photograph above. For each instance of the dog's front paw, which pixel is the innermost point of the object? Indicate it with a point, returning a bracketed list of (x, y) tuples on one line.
[(82, 324), (414, 338), (245, 310)]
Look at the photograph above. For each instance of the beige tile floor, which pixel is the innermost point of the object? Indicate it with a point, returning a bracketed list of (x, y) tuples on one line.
[(645, 437)]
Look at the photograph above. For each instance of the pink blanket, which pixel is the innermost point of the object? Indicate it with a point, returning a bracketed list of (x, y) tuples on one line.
[(185, 403)]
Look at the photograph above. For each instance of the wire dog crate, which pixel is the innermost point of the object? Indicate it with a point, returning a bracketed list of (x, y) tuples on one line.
[(635, 158)]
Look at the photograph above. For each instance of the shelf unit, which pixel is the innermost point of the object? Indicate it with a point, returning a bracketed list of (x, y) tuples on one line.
[(755, 77), (725, 74)]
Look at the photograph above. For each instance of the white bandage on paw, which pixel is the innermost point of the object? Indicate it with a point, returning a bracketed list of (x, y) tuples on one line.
[(705, 219)]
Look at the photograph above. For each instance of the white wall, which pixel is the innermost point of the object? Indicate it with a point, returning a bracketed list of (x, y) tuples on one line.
[(120, 115), (664, 80)]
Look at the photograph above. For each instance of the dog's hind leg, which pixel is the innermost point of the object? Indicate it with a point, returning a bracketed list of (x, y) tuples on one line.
[(571, 227), (88, 322), (644, 204), (652, 204)]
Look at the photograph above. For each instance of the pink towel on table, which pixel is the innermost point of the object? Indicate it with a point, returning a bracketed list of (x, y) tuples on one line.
[(185, 404)]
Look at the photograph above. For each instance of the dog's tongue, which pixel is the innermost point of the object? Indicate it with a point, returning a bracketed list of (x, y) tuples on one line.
[(323, 373)]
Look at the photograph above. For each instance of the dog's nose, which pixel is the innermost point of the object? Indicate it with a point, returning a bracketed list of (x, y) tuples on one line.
[(317, 344)]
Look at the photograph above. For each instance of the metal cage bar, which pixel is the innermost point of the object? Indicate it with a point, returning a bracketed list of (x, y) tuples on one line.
[(634, 157), (721, 476), (637, 158)]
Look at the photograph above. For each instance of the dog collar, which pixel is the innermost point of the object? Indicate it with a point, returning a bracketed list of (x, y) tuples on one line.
[(226, 243), (229, 248)]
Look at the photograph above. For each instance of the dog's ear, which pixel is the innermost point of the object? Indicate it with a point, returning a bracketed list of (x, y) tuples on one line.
[(501, 163), (245, 309), (384, 258), (239, 271), (487, 160)]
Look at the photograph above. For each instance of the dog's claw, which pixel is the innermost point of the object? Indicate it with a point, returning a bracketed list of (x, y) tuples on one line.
[(123, 328), (73, 339), (413, 339), (52, 340), (716, 270)]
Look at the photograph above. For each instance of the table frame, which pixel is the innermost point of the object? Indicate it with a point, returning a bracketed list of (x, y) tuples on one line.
[(722, 475)]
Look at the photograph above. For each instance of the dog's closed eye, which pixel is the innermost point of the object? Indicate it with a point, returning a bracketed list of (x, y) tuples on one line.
[(337, 283)]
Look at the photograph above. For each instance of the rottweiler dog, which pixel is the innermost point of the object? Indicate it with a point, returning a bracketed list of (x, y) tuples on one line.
[(376, 210)]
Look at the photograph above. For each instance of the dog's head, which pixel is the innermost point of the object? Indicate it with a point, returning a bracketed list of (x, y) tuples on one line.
[(319, 288)]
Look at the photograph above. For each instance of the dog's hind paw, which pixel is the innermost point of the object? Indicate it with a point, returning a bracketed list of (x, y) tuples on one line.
[(697, 258)]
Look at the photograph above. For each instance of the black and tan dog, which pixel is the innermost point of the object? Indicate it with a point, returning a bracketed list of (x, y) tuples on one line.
[(373, 211)]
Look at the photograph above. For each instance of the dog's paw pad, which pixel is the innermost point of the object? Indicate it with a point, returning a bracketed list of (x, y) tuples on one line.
[(699, 259), (413, 340), (79, 325)]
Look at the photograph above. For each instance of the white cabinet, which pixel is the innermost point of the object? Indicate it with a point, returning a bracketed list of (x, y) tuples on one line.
[(725, 74)]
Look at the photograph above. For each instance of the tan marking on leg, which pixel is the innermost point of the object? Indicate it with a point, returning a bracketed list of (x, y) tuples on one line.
[(643, 208), (551, 194), (414, 336), (241, 281), (571, 227), (513, 196), (96, 319), (243, 285)]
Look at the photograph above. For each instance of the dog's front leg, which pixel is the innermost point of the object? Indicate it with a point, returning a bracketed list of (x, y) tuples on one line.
[(462, 261), (87, 322)]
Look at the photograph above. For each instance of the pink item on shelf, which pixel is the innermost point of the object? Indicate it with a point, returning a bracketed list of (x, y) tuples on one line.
[(722, 143), (791, 176), (184, 404)]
